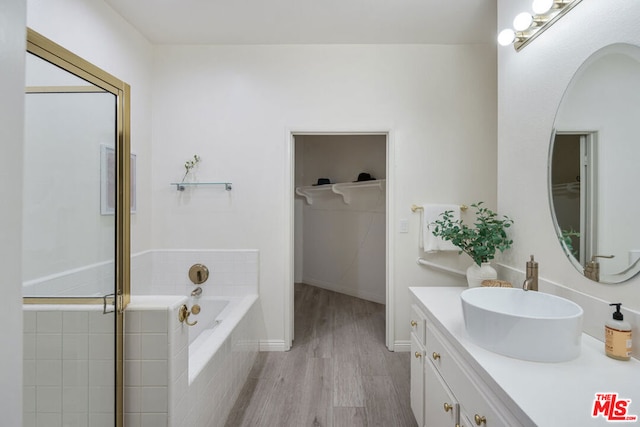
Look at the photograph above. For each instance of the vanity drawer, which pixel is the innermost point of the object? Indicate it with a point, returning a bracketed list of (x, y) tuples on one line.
[(470, 394), (418, 323)]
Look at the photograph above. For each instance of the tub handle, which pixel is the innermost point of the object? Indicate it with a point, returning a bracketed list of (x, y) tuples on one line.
[(183, 315)]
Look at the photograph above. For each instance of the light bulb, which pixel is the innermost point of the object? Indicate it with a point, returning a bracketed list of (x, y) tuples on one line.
[(541, 7), (506, 37), (522, 21)]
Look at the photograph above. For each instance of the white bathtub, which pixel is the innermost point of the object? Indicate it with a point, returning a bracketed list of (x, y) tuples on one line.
[(217, 319)]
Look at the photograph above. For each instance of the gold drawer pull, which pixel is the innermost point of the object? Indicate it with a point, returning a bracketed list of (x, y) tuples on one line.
[(480, 420), (414, 323), (418, 355), (435, 356), (447, 407)]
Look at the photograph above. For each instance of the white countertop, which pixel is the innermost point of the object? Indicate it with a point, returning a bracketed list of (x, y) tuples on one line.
[(551, 394)]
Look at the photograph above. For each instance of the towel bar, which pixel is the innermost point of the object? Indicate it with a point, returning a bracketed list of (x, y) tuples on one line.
[(419, 208)]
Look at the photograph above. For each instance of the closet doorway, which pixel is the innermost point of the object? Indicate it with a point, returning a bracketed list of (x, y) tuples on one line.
[(340, 204)]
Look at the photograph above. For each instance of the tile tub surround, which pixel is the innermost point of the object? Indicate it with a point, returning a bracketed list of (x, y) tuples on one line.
[(165, 272), (68, 362), (165, 385)]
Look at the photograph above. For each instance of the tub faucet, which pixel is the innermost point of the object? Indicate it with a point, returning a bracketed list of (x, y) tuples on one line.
[(196, 292), (531, 281)]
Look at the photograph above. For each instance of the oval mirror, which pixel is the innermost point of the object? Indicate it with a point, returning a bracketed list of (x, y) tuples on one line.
[(593, 171)]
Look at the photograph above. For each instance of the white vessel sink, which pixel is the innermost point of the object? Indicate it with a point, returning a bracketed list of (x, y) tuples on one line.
[(522, 324)]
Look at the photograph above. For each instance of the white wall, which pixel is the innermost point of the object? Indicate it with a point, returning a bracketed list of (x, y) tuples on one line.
[(93, 31), (12, 46), (531, 85), (236, 106)]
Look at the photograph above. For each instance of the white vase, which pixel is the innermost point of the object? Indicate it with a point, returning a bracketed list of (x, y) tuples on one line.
[(476, 274)]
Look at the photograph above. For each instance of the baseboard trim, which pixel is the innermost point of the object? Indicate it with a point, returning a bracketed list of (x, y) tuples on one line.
[(402, 346), (273, 345), (369, 296)]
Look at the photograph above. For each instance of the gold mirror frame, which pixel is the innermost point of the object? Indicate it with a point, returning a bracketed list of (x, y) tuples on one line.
[(61, 57)]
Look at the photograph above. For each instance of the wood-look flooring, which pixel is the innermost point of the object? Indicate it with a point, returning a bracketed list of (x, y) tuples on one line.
[(338, 373)]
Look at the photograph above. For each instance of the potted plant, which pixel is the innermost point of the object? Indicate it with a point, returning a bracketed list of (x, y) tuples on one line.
[(480, 242)]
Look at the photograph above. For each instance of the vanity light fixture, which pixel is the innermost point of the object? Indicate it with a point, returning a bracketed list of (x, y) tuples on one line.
[(526, 27)]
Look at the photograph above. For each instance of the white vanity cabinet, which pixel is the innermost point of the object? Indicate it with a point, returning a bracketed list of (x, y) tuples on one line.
[(445, 390), (466, 391), (418, 328)]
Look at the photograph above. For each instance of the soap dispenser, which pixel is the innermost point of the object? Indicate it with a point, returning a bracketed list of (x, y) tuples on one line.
[(617, 334)]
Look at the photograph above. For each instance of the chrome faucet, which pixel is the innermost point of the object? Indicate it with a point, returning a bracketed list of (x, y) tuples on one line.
[(196, 292), (531, 281)]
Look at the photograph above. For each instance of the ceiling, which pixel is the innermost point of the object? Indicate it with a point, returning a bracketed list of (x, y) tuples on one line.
[(311, 21)]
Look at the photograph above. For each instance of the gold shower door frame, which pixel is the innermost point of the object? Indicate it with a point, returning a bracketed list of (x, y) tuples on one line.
[(57, 55)]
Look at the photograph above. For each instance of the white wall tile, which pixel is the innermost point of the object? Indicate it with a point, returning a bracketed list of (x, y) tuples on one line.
[(49, 346), (101, 373), (154, 399), (49, 322), (132, 419), (154, 373), (101, 346), (75, 399), (28, 346), (132, 399), (49, 399), (49, 419), (132, 346), (49, 372), (101, 399), (153, 321), (75, 373), (29, 419), (29, 372), (29, 399), (104, 419), (100, 323), (132, 321), (75, 419), (29, 321), (75, 322), (132, 373), (154, 346), (153, 420), (75, 346)]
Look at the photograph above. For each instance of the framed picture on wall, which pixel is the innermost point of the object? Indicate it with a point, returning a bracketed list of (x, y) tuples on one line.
[(108, 181)]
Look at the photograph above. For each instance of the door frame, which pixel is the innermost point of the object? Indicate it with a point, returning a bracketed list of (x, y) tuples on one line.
[(290, 220)]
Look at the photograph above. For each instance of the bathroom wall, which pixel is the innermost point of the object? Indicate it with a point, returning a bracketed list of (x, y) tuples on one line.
[(110, 43), (12, 46), (236, 107), (344, 243), (531, 85)]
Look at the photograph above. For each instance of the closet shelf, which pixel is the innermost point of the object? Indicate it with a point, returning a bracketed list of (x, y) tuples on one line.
[(180, 186), (344, 189)]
